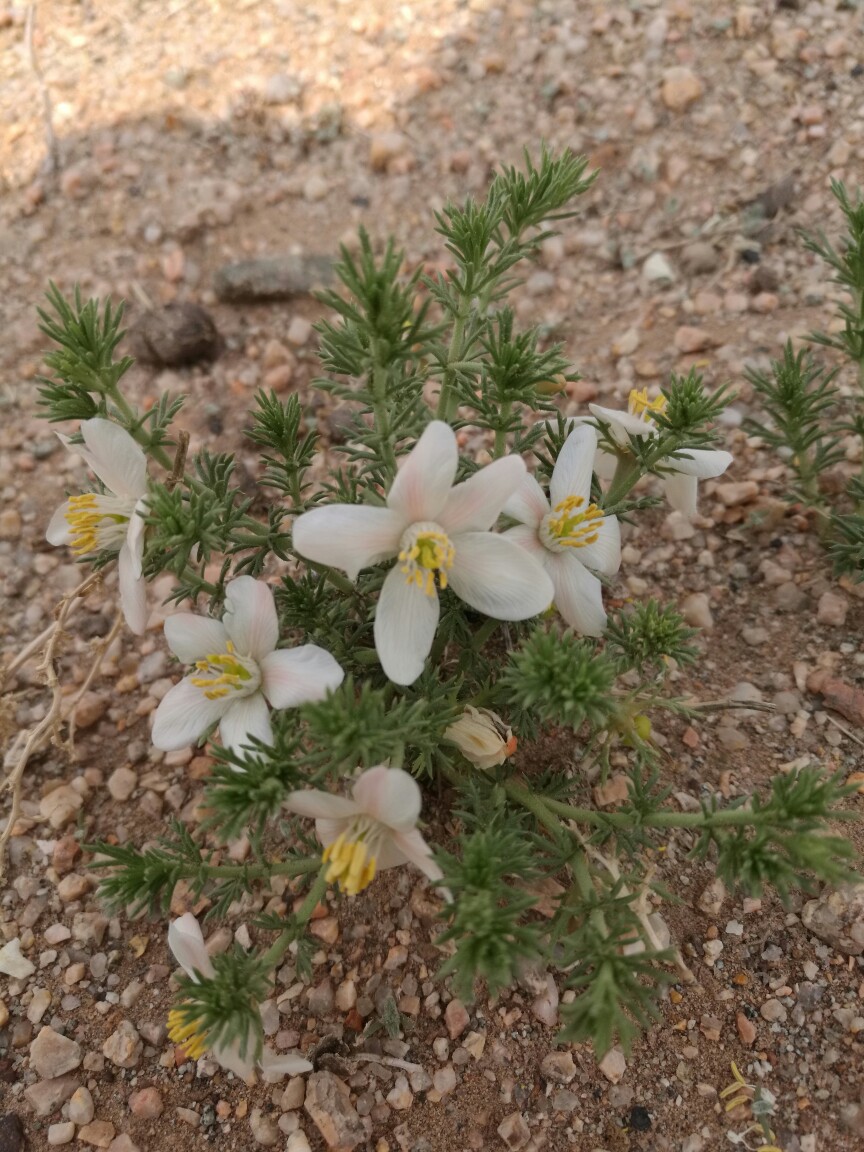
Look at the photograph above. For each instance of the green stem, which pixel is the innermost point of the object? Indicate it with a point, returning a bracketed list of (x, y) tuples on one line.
[(382, 414), (628, 472), (301, 917), (483, 633), (158, 454), (539, 806), (501, 433), (454, 356)]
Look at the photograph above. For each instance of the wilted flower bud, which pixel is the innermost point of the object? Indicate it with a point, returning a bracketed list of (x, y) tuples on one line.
[(482, 737)]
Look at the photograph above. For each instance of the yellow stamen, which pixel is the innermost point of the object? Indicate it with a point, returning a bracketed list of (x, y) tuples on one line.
[(350, 864), (222, 671), (84, 518), (429, 552), (573, 527), (638, 404), (187, 1033)]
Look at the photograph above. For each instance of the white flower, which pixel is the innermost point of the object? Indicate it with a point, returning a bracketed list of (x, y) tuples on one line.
[(482, 737), (374, 830), (572, 538), (95, 522), (238, 671), (187, 943), (688, 467), (437, 531)]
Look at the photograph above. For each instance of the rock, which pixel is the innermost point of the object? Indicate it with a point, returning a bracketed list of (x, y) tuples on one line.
[(297, 1142), (124, 1046), (100, 1134), (400, 1097), (847, 699), (696, 610), (274, 278), (613, 1065), (711, 900), (444, 1079), (178, 334), (52, 1055), (689, 339), (456, 1018), (81, 1110), (699, 257), (657, 269), (60, 805), (13, 964), (299, 331), (47, 1096), (321, 999), (10, 524), (122, 1143), (832, 609), (737, 492), (91, 708), (265, 1130), (545, 1006), (316, 187), (616, 790), (681, 87), (627, 344), (837, 917), (346, 996), (772, 1010), (388, 151), (281, 88), (61, 1133), (746, 1029), (73, 887), (12, 1137), (122, 783), (294, 1094), (328, 1104), (514, 1131), (146, 1103), (558, 1067)]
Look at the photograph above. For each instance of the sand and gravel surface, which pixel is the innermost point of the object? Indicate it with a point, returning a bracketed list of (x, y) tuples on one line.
[(196, 133)]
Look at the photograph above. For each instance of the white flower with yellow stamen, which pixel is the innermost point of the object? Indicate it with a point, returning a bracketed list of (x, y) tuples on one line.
[(187, 943), (374, 830), (238, 672), (112, 521), (482, 737), (687, 467), (440, 535), (572, 538)]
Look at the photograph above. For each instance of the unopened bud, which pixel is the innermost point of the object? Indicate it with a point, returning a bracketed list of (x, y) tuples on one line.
[(482, 737)]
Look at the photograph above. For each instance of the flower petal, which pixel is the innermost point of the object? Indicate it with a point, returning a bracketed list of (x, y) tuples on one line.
[(228, 1055), (192, 637), (247, 717), (114, 456), (183, 716), (133, 592), (275, 1066), (526, 537), (405, 623), (704, 463), (328, 830), (294, 676), (348, 536), (417, 851), (623, 424), (250, 617), (58, 531), (497, 577), (423, 483), (186, 941), (388, 795), (318, 805), (681, 492), (604, 555), (528, 504), (476, 503), (578, 595), (135, 535), (571, 475)]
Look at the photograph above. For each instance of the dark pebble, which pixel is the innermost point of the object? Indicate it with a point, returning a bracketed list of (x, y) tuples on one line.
[(639, 1120), (11, 1133), (174, 336), (276, 278)]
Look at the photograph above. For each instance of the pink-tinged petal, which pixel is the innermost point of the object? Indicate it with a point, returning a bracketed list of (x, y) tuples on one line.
[(423, 483), (388, 795), (681, 492), (624, 424), (275, 1067), (604, 555), (115, 457), (187, 944), (528, 504), (318, 805), (329, 831), (192, 637), (348, 536), (405, 623), (571, 475), (526, 537), (578, 596), (704, 463), (183, 716), (59, 531), (250, 617), (247, 717), (476, 504), (133, 592), (417, 851), (295, 676), (497, 577)]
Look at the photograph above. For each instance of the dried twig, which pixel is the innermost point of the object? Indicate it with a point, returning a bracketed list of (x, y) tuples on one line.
[(53, 160)]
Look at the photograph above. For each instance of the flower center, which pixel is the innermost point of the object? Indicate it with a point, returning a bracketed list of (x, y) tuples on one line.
[(352, 858), (571, 524), (188, 1032), (638, 404), (227, 673), (425, 550), (97, 522)]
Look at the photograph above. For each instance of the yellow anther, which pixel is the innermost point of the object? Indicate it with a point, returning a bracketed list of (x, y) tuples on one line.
[(222, 672), (430, 552), (351, 865), (571, 526), (638, 404), (187, 1033)]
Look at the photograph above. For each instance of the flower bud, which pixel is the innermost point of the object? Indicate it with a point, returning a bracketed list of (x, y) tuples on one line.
[(482, 737)]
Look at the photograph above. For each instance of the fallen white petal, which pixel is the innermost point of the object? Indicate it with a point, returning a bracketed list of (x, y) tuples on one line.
[(405, 623)]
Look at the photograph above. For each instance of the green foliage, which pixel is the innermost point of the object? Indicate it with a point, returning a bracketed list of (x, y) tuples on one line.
[(286, 451), (649, 634), (225, 1007), (847, 547), (848, 267), (562, 680)]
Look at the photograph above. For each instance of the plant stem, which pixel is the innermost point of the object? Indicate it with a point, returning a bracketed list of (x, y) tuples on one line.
[(628, 472), (137, 432), (454, 356), (256, 871), (382, 415), (301, 917), (501, 433)]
